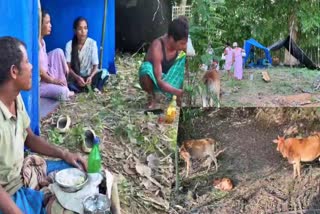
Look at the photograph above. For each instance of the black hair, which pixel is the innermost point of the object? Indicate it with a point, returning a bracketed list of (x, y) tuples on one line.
[(75, 61), (179, 28), (228, 44), (43, 14), (183, 18), (10, 54)]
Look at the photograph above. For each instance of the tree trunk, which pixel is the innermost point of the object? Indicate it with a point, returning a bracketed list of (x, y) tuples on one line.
[(293, 31)]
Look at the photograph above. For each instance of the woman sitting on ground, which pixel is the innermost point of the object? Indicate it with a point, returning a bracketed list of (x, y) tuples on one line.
[(53, 67), (82, 59)]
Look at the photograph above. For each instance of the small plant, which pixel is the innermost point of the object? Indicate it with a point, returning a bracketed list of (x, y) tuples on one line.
[(125, 189), (55, 137), (97, 121), (190, 113), (90, 92), (117, 101), (77, 133), (217, 194), (149, 145)]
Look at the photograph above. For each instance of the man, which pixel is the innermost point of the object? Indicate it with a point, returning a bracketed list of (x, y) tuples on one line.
[(163, 69), (15, 132)]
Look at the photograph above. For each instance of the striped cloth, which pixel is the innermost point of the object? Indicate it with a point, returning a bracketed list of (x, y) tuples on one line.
[(174, 77)]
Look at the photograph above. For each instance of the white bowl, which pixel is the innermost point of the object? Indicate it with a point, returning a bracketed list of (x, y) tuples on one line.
[(71, 180)]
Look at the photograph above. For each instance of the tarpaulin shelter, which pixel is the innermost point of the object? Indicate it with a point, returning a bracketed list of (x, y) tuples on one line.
[(139, 22), (251, 42), (294, 50), (64, 12), (21, 19)]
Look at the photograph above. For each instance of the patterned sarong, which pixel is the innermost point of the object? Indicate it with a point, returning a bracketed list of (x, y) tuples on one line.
[(174, 77)]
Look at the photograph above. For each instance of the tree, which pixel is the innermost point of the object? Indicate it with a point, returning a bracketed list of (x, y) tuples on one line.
[(271, 20)]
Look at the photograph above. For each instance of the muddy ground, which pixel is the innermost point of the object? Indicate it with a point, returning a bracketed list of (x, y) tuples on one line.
[(263, 179)]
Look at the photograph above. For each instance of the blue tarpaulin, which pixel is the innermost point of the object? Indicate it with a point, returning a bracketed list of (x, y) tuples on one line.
[(20, 19), (63, 13), (247, 47)]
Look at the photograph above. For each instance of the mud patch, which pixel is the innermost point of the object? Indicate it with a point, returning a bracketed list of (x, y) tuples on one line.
[(303, 100), (263, 179)]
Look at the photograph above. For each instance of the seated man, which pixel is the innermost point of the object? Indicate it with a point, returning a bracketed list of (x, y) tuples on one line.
[(15, 132), (163, 69)]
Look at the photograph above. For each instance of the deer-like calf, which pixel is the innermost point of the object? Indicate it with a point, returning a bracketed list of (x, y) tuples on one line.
[(299, 150)]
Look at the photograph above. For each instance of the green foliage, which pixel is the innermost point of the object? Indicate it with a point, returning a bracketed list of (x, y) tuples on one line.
[(150, 144), (125, 189), (118, 100), (190, 113), (204, 24), (90, 91), (55, 137), (77, 133), (205, 34), (216, 22), (218, 194), (270, 20), (97, 122)]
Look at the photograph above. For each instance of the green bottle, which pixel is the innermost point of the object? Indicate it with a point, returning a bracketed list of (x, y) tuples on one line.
[(94, 161)]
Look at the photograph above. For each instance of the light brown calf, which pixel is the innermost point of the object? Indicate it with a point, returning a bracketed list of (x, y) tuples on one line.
[(199, 149), (299, 150)]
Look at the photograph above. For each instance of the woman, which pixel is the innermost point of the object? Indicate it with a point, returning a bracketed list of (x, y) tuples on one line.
[(82, 59), (53, 67), (228, 56), (237, 61)]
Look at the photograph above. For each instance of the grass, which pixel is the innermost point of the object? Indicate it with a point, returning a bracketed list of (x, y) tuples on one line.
[(284, 81), (126, 133), (217, 194)]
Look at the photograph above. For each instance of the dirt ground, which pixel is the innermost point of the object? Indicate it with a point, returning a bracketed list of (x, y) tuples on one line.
[(288, 88), (135, 147), (140, 151), (263, 179)]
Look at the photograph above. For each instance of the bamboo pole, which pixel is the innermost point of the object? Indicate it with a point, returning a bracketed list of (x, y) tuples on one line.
[(103, 31), (40, 19)]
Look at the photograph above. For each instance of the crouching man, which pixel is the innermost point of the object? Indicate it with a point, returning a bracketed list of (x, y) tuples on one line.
[(164, 65), (15, 133)]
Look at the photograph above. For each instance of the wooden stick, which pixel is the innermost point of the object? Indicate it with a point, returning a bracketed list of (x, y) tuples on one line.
[(115, 201)]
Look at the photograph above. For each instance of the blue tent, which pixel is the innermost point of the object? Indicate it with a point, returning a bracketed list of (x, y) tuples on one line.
[(20, 20), (63, 13), (247, 47)]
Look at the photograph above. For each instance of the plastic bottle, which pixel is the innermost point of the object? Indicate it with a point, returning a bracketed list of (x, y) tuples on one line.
[(171, 110), (94, 160)]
